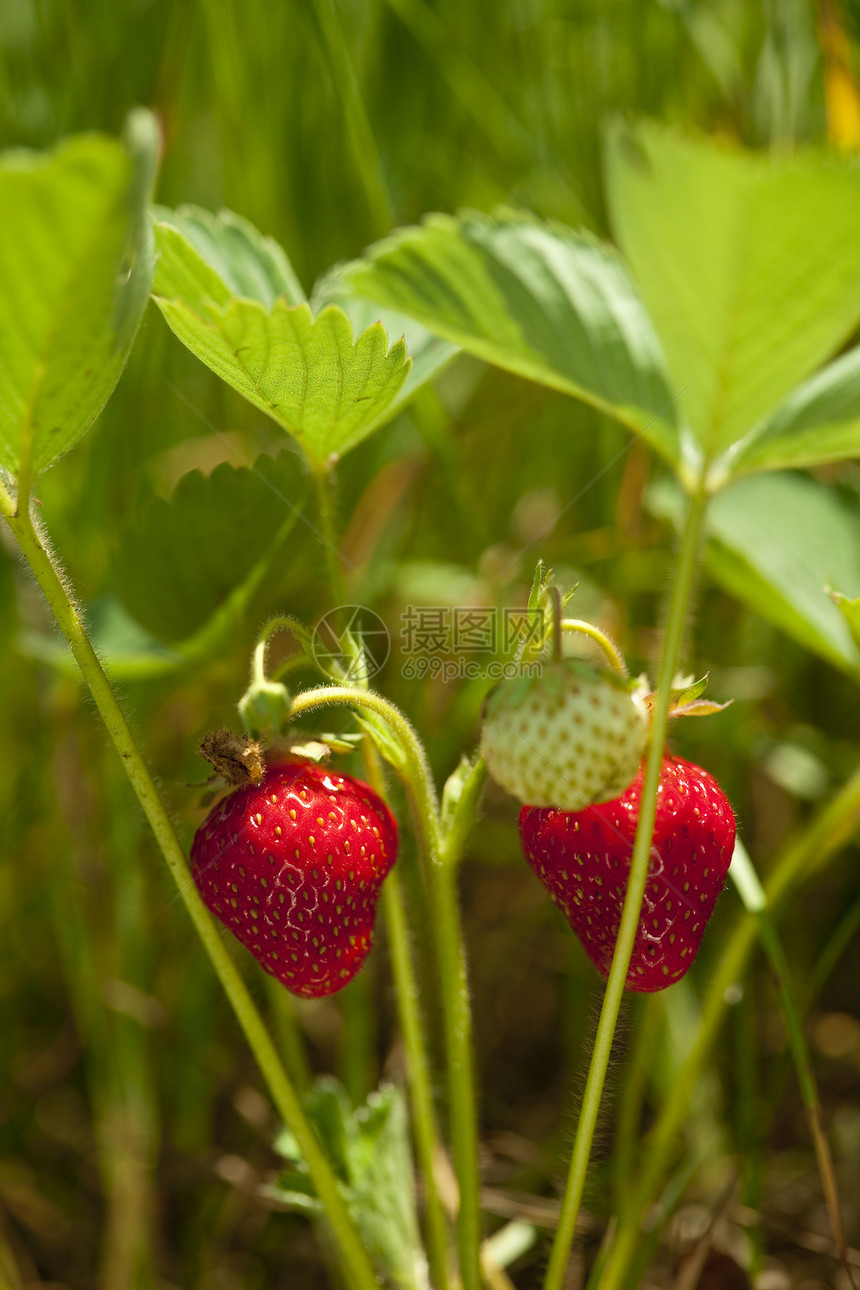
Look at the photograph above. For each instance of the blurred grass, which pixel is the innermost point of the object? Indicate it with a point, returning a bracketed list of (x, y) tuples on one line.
[(123, 1107)]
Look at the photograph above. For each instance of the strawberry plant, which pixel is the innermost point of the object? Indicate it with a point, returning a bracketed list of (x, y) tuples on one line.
[(341, 454)]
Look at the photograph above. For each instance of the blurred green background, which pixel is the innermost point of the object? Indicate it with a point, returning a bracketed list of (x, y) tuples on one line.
[(133, 1136)]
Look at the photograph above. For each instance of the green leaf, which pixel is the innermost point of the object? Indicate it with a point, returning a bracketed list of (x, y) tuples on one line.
[(247, 263), (75, 271), (543, 301), (749, 265), (127, 651), (819, 421), (429, 353), (369, 1149), (778, 542), (323, 386), (850, 609), (180, 560)]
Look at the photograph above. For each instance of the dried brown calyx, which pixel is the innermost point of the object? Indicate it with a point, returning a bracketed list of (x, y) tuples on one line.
[(236, 758)]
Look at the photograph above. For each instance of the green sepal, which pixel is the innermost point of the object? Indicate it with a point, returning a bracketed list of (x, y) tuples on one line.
[(687, 692), (265, 706)]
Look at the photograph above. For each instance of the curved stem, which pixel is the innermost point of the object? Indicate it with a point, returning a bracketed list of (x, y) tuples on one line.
[(444, 915), (572, 1199), (417, 777), (600, 638), (280, 623), (352, 1250), (801, 859)]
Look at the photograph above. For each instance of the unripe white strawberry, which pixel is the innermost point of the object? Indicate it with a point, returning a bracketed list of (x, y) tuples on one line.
[(567, 738)]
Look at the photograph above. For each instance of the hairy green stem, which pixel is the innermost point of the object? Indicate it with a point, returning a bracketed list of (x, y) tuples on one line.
[(444, 918), (800, 860), (589, 1111), (461, 1079), (600, 638), (427, 1139), (352, 1250), (290, 1035), (328, 534)]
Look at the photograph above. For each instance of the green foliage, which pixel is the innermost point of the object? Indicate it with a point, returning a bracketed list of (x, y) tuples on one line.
[(818, 421), (328, 124), (325, 388), (779, 542), (543, 301), (849, 607), (749, 266), (181, 560), (76, 267), (247, 263), (370, 1150), (429, 353)]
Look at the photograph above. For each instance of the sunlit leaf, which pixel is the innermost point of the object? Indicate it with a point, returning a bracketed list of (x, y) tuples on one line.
[(819, 421), (429, 353), (779, 542), (749, 265), (370, 1152), (181, 559), (849, 607), (325, 388), (75, 271), (543, 301), (248, 264)]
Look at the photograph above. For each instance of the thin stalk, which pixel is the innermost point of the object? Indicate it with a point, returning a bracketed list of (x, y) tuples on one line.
[(290, 1035), (444, 918), (649, 1019), (352, 1250), (801, 860), (427, 1139), (755, 900), (356, 1038), (328, 532), (685, 572), (357, 1041), (461, 1079)]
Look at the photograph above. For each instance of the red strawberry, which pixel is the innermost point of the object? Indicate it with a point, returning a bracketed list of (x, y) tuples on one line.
[(583, 859), (293, 867)]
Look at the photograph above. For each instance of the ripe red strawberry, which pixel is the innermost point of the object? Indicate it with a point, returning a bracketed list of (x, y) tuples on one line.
[(583, 859), (293, 867)]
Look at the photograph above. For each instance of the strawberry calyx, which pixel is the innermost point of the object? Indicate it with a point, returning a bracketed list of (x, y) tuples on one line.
[(684, 698)]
